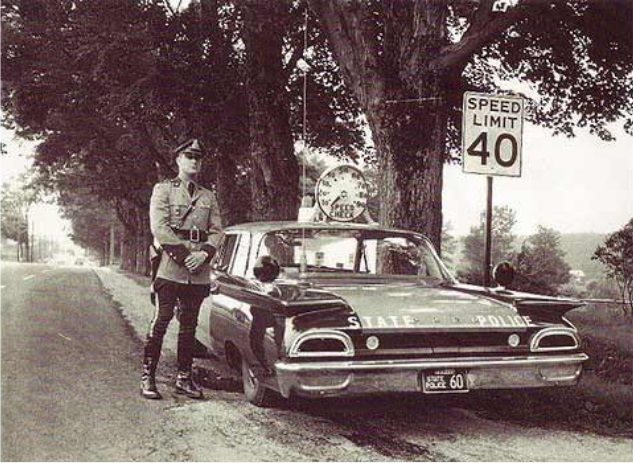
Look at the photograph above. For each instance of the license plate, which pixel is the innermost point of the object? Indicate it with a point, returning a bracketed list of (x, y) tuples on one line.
[(439, 381)]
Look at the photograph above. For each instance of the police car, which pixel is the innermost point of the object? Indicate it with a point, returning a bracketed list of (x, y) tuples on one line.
[(321, 309)]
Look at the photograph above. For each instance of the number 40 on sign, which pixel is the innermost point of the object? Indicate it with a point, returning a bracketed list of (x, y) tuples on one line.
[(492, 128)]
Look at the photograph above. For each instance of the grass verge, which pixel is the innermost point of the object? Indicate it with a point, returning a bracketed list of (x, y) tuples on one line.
[(602, 402)]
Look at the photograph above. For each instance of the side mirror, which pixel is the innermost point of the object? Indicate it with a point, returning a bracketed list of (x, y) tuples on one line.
[(266, 269), (503, 273)]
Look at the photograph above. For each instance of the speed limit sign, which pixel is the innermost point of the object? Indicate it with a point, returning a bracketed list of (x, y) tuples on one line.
[(492, 126)]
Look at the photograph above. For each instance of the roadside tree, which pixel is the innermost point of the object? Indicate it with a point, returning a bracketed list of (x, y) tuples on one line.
[(540, 265), (93, 225), (408, 64), (616, 254), (15, 200), (604, 288), (472, 266), (271, 143)]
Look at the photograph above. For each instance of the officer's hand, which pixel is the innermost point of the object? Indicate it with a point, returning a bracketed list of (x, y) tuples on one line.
[(195, 260)]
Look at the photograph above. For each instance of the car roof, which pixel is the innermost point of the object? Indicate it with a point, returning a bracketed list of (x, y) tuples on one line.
[(265, 227)]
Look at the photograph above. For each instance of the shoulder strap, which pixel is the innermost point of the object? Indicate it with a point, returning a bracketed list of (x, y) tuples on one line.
[(187, 212), (175, 183)]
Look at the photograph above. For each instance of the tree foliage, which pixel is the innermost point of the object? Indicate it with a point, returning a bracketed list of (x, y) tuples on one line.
[(540, 265), (616, 254), (15, 200), (503, 221), (90, 221), (112, 86)]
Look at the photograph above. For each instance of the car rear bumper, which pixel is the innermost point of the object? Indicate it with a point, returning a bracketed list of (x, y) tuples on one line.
[(327, 378)]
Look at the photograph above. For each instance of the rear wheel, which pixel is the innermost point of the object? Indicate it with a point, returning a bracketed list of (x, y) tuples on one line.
[(255, 392)]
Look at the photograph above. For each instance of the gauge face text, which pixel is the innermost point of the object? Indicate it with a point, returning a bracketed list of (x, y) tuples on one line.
[(342, 193)]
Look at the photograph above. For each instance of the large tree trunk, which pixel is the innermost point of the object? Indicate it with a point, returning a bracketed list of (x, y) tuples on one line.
[(143, 239), (127, 251), (410, 143), (274, 167), (136, 237), (234, 199), (403, 99)]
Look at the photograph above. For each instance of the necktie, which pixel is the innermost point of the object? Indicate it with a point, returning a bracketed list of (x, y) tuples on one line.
[(191, 188)]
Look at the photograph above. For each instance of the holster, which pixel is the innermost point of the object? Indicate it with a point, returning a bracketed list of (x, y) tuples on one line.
[(155, 255)]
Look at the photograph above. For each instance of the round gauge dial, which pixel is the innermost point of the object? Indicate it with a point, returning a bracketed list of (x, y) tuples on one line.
[(341, 193)]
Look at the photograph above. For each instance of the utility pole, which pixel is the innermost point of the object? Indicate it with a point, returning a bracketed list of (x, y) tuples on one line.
[(32, 259), (30, 237), (19, 239), (111, 245)]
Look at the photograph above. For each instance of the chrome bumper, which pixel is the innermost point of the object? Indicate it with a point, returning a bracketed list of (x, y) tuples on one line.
[(318, 379)]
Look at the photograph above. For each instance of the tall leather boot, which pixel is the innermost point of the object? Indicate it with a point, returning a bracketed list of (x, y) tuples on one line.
[(148, 380), (186, 386)]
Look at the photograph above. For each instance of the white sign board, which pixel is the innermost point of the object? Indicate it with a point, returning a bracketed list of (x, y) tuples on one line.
[(492, 128)]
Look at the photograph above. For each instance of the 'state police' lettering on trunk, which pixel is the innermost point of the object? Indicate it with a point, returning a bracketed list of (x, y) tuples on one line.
[(407, 321), (491, 134), (504, 320)]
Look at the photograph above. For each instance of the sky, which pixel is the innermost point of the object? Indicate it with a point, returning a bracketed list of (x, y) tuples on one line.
[(45, 219), (573, 185)]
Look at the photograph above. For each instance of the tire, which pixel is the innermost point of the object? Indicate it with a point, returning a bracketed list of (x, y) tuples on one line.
[(255, 392)]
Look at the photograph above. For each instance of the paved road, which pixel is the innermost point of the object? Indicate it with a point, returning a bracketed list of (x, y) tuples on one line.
[(69, 370), (70, 367)]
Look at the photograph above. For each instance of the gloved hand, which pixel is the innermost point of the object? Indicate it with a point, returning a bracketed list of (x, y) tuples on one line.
[(195, 261)]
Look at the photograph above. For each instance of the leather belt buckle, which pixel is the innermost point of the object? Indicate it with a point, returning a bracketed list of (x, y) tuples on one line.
[(194, 235)]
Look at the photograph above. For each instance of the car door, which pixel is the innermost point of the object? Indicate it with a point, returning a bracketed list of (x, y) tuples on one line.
[(226, 316)]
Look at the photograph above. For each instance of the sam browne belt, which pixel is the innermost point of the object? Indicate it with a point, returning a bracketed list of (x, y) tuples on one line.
[(194, 235)]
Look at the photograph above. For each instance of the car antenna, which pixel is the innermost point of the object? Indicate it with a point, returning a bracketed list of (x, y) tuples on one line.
[(305, 67)]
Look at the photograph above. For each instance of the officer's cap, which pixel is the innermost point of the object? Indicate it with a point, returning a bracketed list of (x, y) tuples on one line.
[(191, 147)]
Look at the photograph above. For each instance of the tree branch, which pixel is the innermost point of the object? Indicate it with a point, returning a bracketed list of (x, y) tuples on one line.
[(348, 25), (484, 29), (168, 7)]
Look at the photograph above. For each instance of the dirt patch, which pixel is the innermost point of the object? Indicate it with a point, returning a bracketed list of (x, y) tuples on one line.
[(213, 380), (388, 444), (580, 408)]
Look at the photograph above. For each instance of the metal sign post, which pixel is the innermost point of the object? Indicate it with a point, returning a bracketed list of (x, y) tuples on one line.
[(492, 130), (488, 239)]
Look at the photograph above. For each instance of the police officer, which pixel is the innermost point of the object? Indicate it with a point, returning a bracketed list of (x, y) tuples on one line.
[(185, 224)]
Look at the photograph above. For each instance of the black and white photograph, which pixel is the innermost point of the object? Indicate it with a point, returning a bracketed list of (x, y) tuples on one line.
[(316, 230)]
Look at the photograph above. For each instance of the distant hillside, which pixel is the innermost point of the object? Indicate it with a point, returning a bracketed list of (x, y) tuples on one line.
[(579, 247)]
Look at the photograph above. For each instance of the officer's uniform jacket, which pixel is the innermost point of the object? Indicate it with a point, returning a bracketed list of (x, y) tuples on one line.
[(177, 237)]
